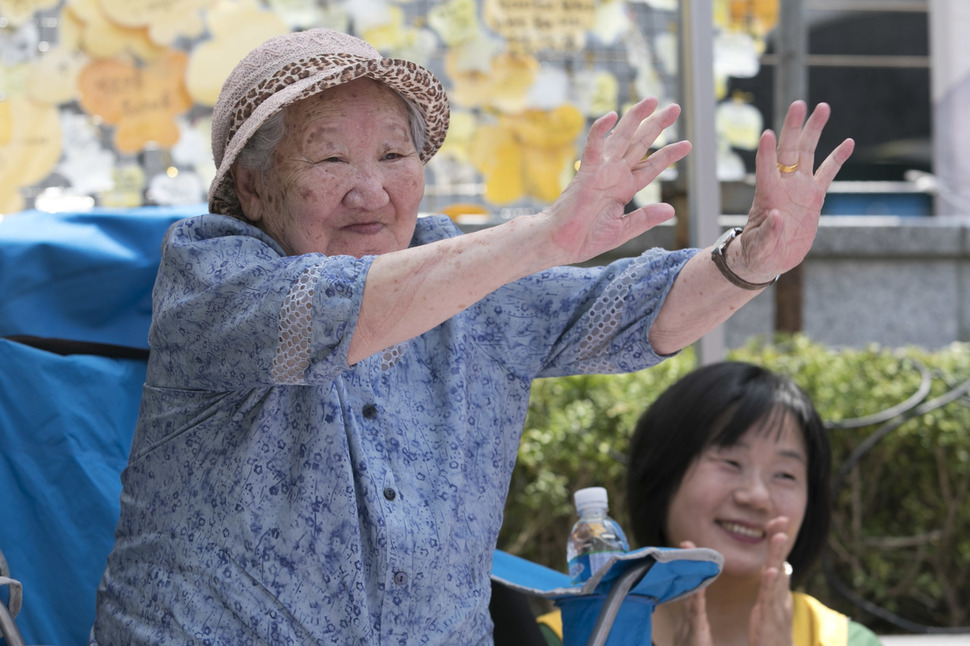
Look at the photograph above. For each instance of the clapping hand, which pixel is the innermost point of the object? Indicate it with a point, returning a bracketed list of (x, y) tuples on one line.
[(693, 629), (771, 618)]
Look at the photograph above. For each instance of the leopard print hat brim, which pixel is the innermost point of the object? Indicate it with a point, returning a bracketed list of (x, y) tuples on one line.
[(294, 66)]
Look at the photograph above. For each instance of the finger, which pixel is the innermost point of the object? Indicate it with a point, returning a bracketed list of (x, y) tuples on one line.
[(829, 168), (777, 551), (619, 141), (765, 169), (774, 589), (769, 580), (645, 218), (698, 618), (790, 135), (699, 608), (775, 525), (764, 160), (692, 626), (777, 542), (774, 597), (650, 168), (648, 131), (808, 141), (596, 139), (771, 617)]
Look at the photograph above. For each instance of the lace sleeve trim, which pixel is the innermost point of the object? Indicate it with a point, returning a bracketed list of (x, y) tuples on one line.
[(606, 317), (295, 328)]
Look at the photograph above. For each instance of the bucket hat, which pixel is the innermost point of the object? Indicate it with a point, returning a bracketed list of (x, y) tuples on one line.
[(294, 66)]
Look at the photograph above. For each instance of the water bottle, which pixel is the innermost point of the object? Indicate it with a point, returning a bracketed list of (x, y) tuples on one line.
[(595, 537)]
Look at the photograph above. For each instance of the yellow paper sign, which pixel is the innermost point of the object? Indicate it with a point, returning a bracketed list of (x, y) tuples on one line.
[(165, 19), (83, 21), (456, 21), (142, 102), (30, 147), (535, 25), (53, 78), (524, 155), (236, 28), (504, 86), (17, 12), (129, 187)]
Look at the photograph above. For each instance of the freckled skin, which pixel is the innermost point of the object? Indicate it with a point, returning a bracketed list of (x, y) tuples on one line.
[(345, 179)]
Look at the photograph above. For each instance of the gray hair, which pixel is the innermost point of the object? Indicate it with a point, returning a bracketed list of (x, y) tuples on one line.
[(256, 155)]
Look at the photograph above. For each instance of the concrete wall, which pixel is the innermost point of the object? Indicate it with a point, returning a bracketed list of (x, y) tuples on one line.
[(889, 280)]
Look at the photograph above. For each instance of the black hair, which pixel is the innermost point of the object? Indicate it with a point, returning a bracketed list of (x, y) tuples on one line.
[(714, 406)]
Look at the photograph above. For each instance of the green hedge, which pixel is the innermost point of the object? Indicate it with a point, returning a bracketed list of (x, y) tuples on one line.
[(901, 530)]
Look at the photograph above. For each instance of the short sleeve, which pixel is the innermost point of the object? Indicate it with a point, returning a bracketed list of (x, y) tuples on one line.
[(231, 310)]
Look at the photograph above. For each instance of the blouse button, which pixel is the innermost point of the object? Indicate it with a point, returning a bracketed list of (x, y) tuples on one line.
[(400, 578), (389, 493), (369, 411)]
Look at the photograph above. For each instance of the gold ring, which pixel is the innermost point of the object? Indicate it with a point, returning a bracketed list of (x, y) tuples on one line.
[(787, 169)]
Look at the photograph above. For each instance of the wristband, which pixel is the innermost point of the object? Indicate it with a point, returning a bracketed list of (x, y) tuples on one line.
[(719, 257)]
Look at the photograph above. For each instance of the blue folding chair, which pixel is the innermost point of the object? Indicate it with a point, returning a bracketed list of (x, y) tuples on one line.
[(614, 607)]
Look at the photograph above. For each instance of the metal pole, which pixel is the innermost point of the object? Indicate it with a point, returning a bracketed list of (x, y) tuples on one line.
[(791, 83), (703, 189), (950, 78), (791, 76)]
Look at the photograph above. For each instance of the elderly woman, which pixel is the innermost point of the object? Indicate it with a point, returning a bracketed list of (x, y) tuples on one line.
[(336, 387)]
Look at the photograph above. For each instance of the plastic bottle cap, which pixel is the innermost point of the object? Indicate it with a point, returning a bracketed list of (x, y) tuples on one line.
[(591, 497)]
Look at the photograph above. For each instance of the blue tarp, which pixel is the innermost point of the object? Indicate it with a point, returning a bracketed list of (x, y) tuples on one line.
[(65, 432), (82, 276), (66, 421)]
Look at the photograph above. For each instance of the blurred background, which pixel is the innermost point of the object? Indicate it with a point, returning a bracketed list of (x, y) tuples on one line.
[(107, 102), (105, 105)]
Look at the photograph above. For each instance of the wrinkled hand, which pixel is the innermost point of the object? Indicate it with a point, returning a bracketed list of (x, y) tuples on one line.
[(771, 618), (784, 215), (588, 218)]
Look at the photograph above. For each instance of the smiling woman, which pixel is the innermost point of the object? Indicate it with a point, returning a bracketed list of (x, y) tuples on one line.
[(748, 476), (735, 458)]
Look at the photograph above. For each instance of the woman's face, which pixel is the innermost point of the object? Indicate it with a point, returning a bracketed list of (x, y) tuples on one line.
[(729, 493), (346, 178)]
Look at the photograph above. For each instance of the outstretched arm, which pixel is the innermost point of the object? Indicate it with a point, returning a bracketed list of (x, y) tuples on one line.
[(409, 292), (779, 232)]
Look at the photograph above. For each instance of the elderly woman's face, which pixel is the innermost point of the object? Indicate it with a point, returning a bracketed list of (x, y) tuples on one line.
[(346, 178)]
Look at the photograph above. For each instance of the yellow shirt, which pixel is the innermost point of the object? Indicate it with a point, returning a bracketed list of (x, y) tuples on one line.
[(813, 624)]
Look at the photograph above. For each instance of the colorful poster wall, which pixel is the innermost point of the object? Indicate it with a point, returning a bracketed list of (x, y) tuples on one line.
[(108, 102)]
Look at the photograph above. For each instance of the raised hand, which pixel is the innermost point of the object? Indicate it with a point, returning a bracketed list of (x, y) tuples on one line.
[(771, 617), (588, 218), (789, 192)]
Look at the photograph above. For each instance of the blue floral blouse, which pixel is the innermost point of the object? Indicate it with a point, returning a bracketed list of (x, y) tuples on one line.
[(275, 495)]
